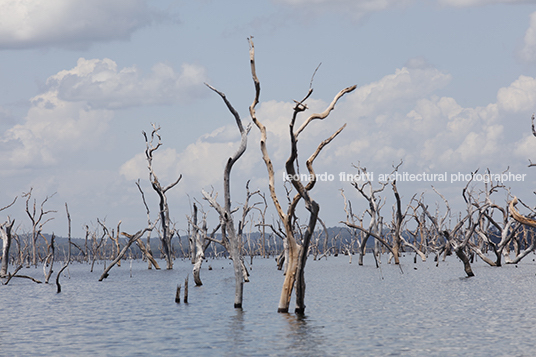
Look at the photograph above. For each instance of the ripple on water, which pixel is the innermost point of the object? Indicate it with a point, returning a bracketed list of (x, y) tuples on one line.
[(351, 310)]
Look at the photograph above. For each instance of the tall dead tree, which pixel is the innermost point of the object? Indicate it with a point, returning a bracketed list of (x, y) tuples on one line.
[(297, 254), (168, 231), (38, 219), (231, 239)]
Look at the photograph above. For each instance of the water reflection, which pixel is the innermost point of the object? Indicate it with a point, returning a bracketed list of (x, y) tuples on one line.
[(236, 335), (429, 311), (303, 336), (236, 327)]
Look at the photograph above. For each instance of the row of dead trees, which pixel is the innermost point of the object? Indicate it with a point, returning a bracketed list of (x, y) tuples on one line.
[(497, 234)]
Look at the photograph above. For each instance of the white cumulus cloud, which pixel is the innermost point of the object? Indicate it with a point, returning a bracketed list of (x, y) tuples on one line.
[(70, 23), (102, 85), (52, 128), (528, 52), (519, 96)]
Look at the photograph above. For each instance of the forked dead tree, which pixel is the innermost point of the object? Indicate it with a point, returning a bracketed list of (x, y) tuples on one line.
[(398, 226), (38, 219), (297, 254), (231, 239), (459, 237), (168, 231), (116, 247), (131, 239), (365, 188), (200, 241), (505, 227)]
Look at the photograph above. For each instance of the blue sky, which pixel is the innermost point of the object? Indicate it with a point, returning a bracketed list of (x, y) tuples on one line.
[(446, 86)]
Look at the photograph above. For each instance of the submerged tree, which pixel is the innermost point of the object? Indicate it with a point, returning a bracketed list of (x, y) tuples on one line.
[(230, 238), (296, 254), (167, 229), (367, 191), (38, 219), (199, 241), (6, 236)]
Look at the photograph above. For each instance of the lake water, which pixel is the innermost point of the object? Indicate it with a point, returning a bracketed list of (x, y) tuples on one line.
[(351, 310)]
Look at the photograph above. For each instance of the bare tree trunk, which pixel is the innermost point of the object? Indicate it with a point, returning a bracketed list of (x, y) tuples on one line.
[(5, 234), (197, 249), (49, 259), (68, 260), (192, 238), (466, 264), (302, 258), (148, 254)]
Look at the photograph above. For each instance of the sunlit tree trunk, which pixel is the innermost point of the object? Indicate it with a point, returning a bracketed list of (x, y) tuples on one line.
[(295, 254)]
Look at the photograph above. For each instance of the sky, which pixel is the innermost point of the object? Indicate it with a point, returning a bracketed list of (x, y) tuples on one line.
[(444, 86)]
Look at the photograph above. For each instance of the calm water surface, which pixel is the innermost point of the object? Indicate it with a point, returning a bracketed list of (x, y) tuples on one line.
[(352, 310)]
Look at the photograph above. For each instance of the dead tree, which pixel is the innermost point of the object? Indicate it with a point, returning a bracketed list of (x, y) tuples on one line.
[(95, 244), (38, 220), (201, 241), (231, 239), (398, 224), (6, 236), (113, 237), (49, 259), (131, 239), (459, 238), (193, 233), (246, 210), (297, 254), (506, 227), (168, 231), (68, 260), (375, 204), (146, 250), (527, 221)]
